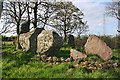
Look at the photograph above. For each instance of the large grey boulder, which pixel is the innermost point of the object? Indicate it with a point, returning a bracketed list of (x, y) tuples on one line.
[(41, 41), (97, 46), (70, 40), (48, 42), (28, 41), (25, 27)]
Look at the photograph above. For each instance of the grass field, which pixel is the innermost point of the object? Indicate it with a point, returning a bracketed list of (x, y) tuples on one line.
[(19, 64)]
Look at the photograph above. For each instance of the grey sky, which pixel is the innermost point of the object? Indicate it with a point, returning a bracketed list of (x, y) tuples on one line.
[(94, 10)]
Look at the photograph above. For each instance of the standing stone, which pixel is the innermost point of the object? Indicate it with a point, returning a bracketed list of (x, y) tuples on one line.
[(25, 27), (97, 46), (70, 40), (77, 55), (48, 42), (28, 41), (41, 41)]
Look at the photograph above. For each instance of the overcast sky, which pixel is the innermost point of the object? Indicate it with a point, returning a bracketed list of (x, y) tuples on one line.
[(93, 11)]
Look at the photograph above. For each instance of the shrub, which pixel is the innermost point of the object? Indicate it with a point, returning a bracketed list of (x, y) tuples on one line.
[(112, 42), (80, 41)]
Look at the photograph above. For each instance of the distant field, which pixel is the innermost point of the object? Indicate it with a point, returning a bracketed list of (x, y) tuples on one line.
[(7, 42), (19, 64)]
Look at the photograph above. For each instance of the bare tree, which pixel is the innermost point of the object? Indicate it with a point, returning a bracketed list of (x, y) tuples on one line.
[(35, 8), (42, 11), (14, 12), (82, 28), (68, 19), (112, 9), (7, 28)]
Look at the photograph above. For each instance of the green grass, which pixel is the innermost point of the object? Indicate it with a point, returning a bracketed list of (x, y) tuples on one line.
[(19, 64)]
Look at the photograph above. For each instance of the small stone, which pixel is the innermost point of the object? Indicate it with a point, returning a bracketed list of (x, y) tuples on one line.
[(49, 59), (43, 57), (90, 67), (58, 60), (100, 65), (55, 59), (76, 65), (86, 62), (63, 63), (77, 55), (62, 59), (89, 62), (50, 64), (98, 68), (115, 64), (105, 66), (54, 63), (57, 63), (94, 68), (67, 60), (71, 59), (96, 64), (92, 63)]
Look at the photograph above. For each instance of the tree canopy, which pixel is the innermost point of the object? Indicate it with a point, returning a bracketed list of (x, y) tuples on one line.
[(113, 9), (64, 17), (68, 19)]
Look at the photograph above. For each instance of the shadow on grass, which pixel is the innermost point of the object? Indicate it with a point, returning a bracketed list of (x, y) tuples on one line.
[(63, 53), (94, 57), (20, 57)]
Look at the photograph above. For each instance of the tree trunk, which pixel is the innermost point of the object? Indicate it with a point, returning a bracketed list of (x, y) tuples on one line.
[(65, 26), (18, 34), (1, 8), (18, 44), (118, 17), (65, 36), (45, 23), (35, 15)]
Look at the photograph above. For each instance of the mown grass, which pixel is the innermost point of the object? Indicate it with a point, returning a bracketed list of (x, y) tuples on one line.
[(19, 64)]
